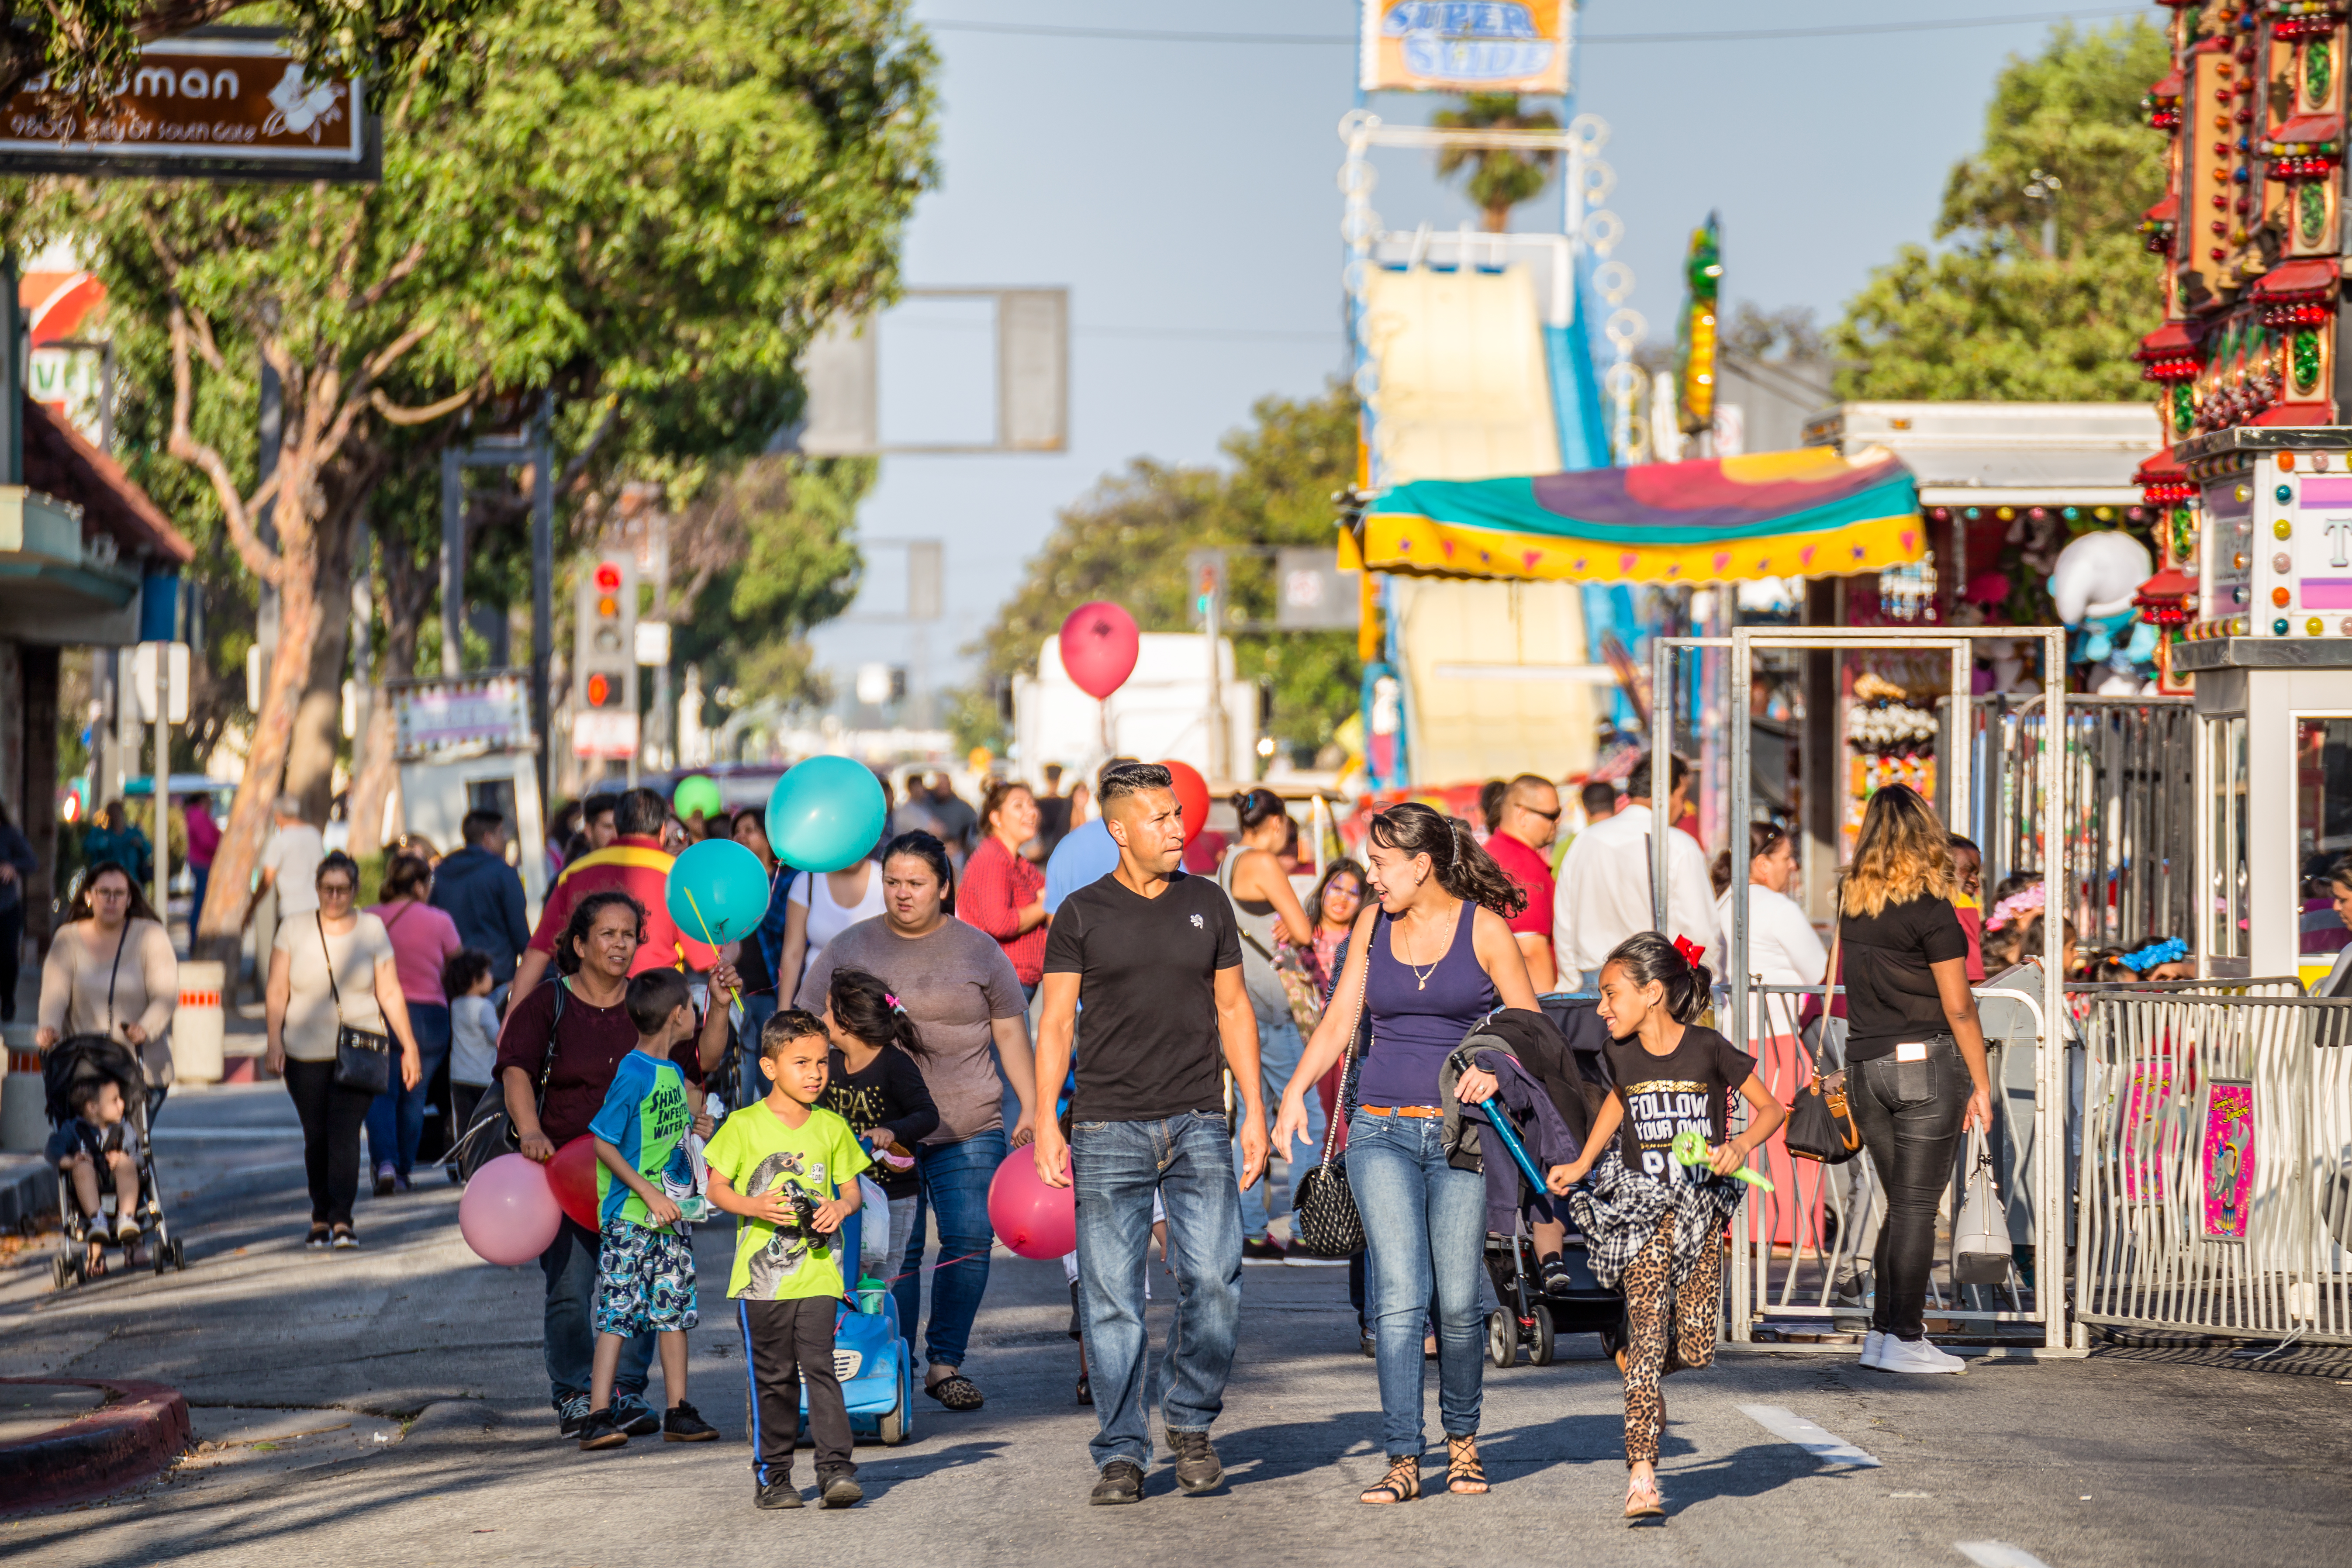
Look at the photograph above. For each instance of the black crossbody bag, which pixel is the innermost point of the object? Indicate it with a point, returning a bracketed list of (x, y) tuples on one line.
[(490, 1130), (362, 1060), (1326, 1222)]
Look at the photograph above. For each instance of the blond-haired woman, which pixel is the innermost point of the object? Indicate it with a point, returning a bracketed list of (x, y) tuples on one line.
[(1914, 1054)]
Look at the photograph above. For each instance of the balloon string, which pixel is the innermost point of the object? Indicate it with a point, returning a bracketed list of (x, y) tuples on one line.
[(942, 1263), (736, 992)]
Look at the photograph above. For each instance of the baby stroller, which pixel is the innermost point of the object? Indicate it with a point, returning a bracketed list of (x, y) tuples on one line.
[(91, 1059), (1531, 1317)]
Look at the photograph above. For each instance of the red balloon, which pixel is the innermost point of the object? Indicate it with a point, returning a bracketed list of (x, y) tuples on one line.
[(1192, 795), (572, 1175), (1032, 1219), (1100, 643)]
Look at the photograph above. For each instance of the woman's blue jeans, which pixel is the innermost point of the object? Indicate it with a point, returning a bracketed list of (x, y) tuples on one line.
[(1426, 1228), (953, 1187), (396, 1122)]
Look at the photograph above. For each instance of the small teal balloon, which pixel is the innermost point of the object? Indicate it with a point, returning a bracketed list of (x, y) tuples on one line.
[(826, 814), (717, 892)]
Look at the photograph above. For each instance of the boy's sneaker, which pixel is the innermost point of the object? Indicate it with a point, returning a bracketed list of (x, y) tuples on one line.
[(841, 1492), (634, 1416), (600, 1431), (778, 1493), (571, 1415), (1122, 1481), (684, 1424), (1197, 1469)]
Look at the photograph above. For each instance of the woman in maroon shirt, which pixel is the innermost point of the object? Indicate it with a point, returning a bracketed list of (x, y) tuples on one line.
[(1001, 892)]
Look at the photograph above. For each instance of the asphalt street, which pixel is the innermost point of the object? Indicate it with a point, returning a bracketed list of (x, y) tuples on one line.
[(2111, 1460)]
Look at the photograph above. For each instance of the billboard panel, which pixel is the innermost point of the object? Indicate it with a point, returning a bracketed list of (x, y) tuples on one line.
[(1466, 45)]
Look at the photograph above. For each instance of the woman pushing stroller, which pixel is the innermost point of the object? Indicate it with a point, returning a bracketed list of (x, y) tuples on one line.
[(1656, 1224)]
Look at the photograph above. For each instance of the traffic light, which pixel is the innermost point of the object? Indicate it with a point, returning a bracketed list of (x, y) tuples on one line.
[(604, 654), (1205, 570)]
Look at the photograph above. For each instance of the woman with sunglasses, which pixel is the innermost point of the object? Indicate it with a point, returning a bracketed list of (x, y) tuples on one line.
[(334, 970)]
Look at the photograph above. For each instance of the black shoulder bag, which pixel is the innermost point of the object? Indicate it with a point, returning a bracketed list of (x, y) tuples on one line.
[(490, 1130), (1326, 1222), (362, 1060)]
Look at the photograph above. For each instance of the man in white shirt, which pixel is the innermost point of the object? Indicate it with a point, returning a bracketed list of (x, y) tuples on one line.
[(290, 861), (1603, 893)]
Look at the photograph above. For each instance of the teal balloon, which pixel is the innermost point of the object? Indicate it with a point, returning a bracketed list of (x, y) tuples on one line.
[(717, 892), (696, 793), (826, 814)]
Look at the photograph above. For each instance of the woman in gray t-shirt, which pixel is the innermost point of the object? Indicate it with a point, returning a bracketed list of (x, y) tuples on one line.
[(956, 984)]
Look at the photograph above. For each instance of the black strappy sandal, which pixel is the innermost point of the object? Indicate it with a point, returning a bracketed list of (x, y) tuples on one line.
[(1464, 1473), (1401, 1484), (956, 1392)]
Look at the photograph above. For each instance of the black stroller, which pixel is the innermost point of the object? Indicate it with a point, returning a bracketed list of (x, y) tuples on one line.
[(91, 1059)]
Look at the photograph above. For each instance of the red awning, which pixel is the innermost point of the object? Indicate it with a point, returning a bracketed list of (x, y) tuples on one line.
[(2168, 88), (2162, 468), (2310, 279), (2292, 415), (2166, 211), (2170, 341), (2307, 130), (59, 462)]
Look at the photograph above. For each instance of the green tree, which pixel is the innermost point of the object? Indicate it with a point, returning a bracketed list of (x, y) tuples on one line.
[(638, 215), (1127, 542), (2046, 287), (1499, 178), (78, 42)]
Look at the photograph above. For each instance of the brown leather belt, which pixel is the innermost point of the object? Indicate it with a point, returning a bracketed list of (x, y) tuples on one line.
[(1422, 1112)]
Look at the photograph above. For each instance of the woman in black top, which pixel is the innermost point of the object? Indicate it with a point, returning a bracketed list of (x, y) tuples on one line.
[(1914, 1054), (877, 1088)]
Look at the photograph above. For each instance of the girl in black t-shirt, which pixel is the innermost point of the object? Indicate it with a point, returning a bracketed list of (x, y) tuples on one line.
[(877, 1088), (1656, 1225)]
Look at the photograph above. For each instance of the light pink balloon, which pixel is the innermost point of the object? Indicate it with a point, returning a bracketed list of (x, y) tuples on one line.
[(1100, 643), (509, 1214), (1032, 1218)]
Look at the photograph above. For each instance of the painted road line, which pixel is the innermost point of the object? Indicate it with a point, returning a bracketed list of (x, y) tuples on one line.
[(1791, 1427), (1998, 1554)]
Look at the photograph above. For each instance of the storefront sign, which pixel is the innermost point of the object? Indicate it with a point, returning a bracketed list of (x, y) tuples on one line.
[(225, 104), (1466, 45), (487, 714)]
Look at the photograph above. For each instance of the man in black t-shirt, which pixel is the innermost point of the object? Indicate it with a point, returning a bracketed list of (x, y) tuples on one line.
[(1155, 958)]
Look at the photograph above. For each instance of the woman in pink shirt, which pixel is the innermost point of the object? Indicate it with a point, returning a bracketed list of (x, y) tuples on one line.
[(423, 939)]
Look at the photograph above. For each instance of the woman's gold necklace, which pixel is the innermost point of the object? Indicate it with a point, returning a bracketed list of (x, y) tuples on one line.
[(1422, 980)]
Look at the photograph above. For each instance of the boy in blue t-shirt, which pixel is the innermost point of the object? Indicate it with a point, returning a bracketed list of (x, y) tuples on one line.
[(645, 1263)]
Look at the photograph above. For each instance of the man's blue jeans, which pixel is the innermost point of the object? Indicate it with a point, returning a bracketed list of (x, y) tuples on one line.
[(395, 1122), (1278, 1050), (1114, 1167), (569, 1334), (1425, 1227), (955, 1188)]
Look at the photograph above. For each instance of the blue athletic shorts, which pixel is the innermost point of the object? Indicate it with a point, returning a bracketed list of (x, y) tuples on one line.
[(645, 1280)]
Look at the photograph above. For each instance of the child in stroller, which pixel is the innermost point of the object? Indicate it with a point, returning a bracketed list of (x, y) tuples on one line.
[(99, 1106)]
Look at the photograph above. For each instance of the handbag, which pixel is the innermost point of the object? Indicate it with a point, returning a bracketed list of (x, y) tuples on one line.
[(362, 1060), (1324, 1221), (489, 1130), (1821, 1021), (1980, 1252)]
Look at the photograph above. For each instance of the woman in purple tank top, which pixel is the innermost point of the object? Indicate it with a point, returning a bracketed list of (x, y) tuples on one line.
[(1425, 962)]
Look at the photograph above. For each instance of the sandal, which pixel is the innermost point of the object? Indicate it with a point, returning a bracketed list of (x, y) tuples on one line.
[(1464, 1473), (1401, 1484), (1644, 1501), (955, 1391)]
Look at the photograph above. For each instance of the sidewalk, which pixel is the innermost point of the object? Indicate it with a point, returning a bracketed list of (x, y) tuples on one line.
[(65, 1439)]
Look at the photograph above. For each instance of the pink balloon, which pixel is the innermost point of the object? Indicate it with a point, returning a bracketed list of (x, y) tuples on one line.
[(509, 1214), (1032, 1218), (1100, 643)]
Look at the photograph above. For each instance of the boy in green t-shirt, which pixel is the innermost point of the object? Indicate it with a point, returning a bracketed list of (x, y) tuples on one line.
[(789, 1170), (644, 1264)]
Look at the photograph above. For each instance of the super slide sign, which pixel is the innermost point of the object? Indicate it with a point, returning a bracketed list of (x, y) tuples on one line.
[(226, 103)]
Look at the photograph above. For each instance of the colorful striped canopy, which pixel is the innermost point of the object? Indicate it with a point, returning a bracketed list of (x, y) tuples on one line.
[(1807, 513)]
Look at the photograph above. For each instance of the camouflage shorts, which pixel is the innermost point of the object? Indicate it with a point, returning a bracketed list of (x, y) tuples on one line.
[(645, 1280)]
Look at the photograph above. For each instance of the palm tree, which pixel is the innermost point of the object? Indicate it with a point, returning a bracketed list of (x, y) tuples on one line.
[(1500, 177)]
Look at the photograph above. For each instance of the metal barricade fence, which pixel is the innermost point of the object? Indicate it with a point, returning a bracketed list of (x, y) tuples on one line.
[(2217, 1166)]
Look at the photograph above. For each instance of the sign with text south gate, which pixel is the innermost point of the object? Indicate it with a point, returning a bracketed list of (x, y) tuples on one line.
[(220, 104)]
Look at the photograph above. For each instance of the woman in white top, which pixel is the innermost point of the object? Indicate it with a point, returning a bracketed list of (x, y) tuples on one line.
[(1783, 949), (111, 970), (334, 969), (819, 908)]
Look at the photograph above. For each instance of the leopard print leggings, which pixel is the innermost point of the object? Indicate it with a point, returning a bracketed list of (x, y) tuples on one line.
[(1649, 1300)]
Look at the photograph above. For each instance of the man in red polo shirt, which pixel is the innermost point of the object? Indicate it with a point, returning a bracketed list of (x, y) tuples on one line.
[(634, 863), (1529, 823)]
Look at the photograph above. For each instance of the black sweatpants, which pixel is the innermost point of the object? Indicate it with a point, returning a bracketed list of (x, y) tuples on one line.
[(783, 1342), (331, 1119)]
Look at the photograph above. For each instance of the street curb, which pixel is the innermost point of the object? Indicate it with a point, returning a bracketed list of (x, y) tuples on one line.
[(141, 1429), (26, 1192)]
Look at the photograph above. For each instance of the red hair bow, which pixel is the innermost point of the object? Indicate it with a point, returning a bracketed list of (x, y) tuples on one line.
[(1689, 950)]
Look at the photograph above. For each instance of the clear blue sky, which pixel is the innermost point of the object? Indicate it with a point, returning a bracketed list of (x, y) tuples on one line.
[(1183, 192)]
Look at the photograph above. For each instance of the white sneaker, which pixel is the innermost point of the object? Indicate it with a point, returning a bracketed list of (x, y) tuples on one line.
[(1916, 1355), (1873, 1344)]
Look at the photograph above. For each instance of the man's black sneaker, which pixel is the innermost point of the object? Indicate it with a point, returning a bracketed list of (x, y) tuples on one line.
[(684, 1424), (1122, 1481), (1261, 1252), (600, 1431), (839, 1492), (1197, 1469), (778, 1493), (571, 1415), (634, 1416)]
